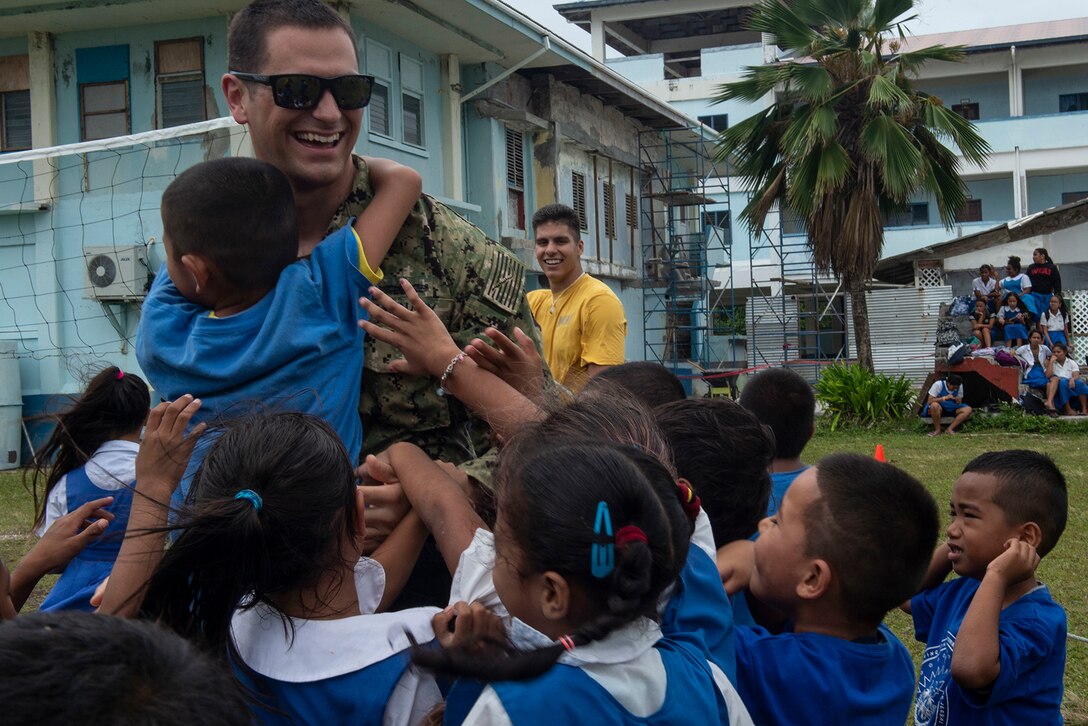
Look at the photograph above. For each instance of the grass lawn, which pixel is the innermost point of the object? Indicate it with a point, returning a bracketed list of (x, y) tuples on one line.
[(935, 461)]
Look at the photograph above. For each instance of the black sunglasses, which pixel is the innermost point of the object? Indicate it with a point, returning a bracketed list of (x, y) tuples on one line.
[(299, 92)]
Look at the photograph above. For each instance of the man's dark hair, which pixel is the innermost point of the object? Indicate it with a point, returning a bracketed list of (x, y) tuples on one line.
[(558, 213), (649, 382), (955, 380), (246, 46), (239, 214), (1030, 488), (723, 451), (784, 401), (876, 526), (111, 671)]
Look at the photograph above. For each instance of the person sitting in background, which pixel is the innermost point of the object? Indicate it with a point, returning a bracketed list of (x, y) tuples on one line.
[(945, 398), (1034, 356), (1017, 282), (1054, 323), (1014, 321), (982, 324), (1065, 382), (985, 287)]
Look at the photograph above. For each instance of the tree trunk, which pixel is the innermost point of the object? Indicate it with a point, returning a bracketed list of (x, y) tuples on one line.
[(863, 346)]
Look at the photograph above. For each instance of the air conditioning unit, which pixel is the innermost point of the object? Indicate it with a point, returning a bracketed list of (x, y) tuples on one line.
[(116, 274)]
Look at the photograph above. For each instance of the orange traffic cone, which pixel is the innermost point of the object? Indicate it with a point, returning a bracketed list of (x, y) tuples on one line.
[(879, 455)]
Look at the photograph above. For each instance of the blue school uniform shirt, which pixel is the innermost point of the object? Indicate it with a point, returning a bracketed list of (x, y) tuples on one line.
[(86, 571), (809, 678), (696, 610), (1031, 636), (353, 670), (780, 482), (628, 667), (300, 348)]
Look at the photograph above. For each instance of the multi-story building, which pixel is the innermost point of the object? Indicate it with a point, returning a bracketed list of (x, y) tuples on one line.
[(499, 115), (1025, 86)]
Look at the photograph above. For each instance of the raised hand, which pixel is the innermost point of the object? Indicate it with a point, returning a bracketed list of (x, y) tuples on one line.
[(417, 333), (166, 448), (1016, 564), (517, 363)]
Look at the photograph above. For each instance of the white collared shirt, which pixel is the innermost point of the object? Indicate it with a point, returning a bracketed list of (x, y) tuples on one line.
[(111, 467)]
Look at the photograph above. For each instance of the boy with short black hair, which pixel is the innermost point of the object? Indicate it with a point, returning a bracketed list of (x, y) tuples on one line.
[(995, 638), (649, 382), (784, 401), (945, 398), (236, 320), (852, 538)]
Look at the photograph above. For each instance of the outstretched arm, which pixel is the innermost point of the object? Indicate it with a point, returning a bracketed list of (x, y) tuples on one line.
[(396, 191), (438, 499), (429, 350), (164, 453)]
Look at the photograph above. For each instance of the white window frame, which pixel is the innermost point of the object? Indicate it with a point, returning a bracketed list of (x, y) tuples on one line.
[(383, 76), (162, 79), (410, 87)]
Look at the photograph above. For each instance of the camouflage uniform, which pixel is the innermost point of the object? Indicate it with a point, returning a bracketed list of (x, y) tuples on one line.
[(472, 283)]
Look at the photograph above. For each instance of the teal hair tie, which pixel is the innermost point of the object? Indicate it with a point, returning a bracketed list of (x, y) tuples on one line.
[(252, 497)]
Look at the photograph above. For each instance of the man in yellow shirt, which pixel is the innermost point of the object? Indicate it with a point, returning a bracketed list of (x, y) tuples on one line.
[(581, 320)]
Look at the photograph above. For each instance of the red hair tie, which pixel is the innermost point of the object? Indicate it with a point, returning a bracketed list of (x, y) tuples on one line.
[(120, 374), (567, 642), (688, 499), (630, 533)]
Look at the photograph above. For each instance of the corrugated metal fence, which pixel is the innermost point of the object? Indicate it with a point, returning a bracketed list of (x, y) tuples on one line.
[(903, 325)]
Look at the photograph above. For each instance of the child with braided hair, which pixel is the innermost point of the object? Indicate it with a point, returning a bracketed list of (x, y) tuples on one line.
[(578, 561)]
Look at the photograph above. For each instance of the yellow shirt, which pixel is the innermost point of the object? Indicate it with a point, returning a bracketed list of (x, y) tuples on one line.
[(580, 326)]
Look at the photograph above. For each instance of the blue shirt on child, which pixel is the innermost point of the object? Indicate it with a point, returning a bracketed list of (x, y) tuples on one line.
[(299, 348), (1031, 635), (780, 482), (809, 678)]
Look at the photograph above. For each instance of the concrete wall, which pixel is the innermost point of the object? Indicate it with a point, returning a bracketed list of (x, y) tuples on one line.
[(990, 91), (1042, 86), (1045, 191)]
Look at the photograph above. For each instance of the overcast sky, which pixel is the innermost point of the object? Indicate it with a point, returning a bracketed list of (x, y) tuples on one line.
[(935, 16)]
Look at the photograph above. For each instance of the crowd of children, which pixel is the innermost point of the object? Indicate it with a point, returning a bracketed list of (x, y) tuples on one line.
[(638, 556), (1011, 308)]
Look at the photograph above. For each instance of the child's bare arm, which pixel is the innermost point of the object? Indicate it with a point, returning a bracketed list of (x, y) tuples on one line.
[(976, 656), (160, 465), (735, 565), (396, 191), (438, 499), (428, 349), (398, 554)]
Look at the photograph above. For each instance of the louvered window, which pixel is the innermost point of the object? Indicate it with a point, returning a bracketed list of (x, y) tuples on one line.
[(179, 67), (609, 198), (578, 185), (515, 178), (632, 211)]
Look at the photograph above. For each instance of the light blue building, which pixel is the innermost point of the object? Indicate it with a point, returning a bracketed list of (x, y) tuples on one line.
[(1026, 87), (499, 115)]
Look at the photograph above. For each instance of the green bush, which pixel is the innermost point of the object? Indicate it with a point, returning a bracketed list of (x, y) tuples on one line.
[(853, 395)]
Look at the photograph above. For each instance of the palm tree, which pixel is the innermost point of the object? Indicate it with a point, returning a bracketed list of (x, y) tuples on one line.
[(849, 139)]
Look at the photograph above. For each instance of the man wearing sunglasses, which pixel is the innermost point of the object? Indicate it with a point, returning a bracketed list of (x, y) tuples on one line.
[(294, 80)]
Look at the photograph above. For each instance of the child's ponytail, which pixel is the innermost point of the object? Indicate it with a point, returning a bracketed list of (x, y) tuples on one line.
[(551, 516), (268, 514), (115, 403)]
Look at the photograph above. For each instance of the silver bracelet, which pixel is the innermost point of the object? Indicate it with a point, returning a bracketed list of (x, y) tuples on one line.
[(449, 370)]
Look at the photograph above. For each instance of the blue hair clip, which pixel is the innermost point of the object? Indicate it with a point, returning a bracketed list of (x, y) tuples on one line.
[(602, 557), (252, 497)]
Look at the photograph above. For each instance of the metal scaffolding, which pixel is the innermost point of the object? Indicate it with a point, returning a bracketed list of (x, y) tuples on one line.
[(689, 305), (796, 316)]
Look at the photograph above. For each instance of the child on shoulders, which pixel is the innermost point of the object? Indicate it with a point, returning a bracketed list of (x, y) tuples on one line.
[(995, 638), (851, 541), (237, 320)]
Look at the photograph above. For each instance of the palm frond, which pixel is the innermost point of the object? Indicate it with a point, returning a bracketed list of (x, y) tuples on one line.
[(959, 130), (775, 16), (885, 142), (885, 93), (885, 13), (912, 61)]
